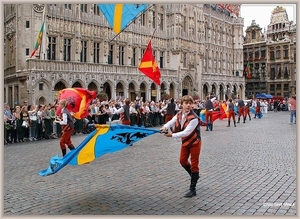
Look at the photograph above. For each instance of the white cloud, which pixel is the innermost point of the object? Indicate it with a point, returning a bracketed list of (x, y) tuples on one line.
[(261, 13)]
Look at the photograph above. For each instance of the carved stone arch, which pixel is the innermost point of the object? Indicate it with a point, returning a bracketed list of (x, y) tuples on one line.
[(124, 84), (234, 90), (222, 91), (134, 83), (241, 90), (143, 89), (205, 89), (172, 88), (44, 81), (41, 100), (95, 82), (187, 84), (214, 89), (78, 83), (93, 86), (132, 90), (153, 91), (121, 88), (61, 84), (107, 87), (163, 85)]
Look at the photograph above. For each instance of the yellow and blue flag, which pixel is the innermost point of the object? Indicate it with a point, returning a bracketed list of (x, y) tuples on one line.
[(103, 140), (119, 16)]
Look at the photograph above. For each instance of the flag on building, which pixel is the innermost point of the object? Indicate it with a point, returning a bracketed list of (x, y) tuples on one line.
[(229, 7), (103, 140), (222, 6), (78, 100), (149, 66), (119, 16), (247, 70), (38, 41), (236, 9)]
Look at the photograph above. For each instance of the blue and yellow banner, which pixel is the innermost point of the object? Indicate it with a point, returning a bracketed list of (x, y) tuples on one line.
[(103, 140), (119, 16)]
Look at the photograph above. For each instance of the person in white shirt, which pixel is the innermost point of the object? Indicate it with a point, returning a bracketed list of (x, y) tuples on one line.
[(32, 112), (67, 123), (186, 125), (266, 106)]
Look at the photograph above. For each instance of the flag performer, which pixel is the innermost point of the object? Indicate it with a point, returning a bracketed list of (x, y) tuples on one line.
[(186, 125)]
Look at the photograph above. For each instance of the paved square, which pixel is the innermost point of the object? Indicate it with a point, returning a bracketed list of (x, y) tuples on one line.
[(245, 170)]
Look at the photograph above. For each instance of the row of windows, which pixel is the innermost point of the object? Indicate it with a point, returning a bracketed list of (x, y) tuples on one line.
[(67, 52), (262, 54), (257, 54)]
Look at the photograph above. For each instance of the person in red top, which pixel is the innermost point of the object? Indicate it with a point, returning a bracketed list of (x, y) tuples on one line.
[(186, 125)]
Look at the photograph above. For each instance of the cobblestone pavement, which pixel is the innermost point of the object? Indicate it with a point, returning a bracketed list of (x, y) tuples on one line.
[(245, 170)]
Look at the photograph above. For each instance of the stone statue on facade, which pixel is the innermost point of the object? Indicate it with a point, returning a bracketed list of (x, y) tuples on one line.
[(61, 44), (92, 47), (78, 46), (105, 49), (129, 52)]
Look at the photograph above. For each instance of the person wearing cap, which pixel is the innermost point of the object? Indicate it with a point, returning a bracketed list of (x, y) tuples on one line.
[(186, 125)]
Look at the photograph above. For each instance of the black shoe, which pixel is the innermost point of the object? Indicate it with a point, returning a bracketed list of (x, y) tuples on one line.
[(190, 194), (71, 147)]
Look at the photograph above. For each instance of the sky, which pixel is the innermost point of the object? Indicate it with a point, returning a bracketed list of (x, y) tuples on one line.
[(261, 13)]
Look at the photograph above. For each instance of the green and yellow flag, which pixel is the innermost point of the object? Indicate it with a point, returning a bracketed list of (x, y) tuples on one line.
[(39, 40)]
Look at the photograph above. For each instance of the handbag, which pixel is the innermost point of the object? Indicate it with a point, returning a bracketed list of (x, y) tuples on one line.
[(25, 124)]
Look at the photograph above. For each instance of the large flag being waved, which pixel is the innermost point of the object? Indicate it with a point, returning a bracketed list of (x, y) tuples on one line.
[(247, 70), (149, 66), (119, 16), (39, 40), (78, 100), (215, 115), (103, 140)]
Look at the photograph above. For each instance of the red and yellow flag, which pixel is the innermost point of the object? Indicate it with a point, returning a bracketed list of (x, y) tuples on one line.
[(78, 101), (39, 40), (148, 65)]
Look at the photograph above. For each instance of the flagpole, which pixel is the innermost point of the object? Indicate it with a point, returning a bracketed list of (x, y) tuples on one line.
[(130, 23), (153, 34), (43, 20)]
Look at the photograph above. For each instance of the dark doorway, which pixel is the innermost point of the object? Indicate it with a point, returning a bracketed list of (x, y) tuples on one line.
[(185, 92)]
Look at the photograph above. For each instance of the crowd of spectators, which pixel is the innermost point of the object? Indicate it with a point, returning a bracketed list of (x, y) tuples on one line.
[(36, 122)]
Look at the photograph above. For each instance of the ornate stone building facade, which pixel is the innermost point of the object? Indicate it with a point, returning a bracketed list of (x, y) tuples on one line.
[(198, 50), (272, 56)]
